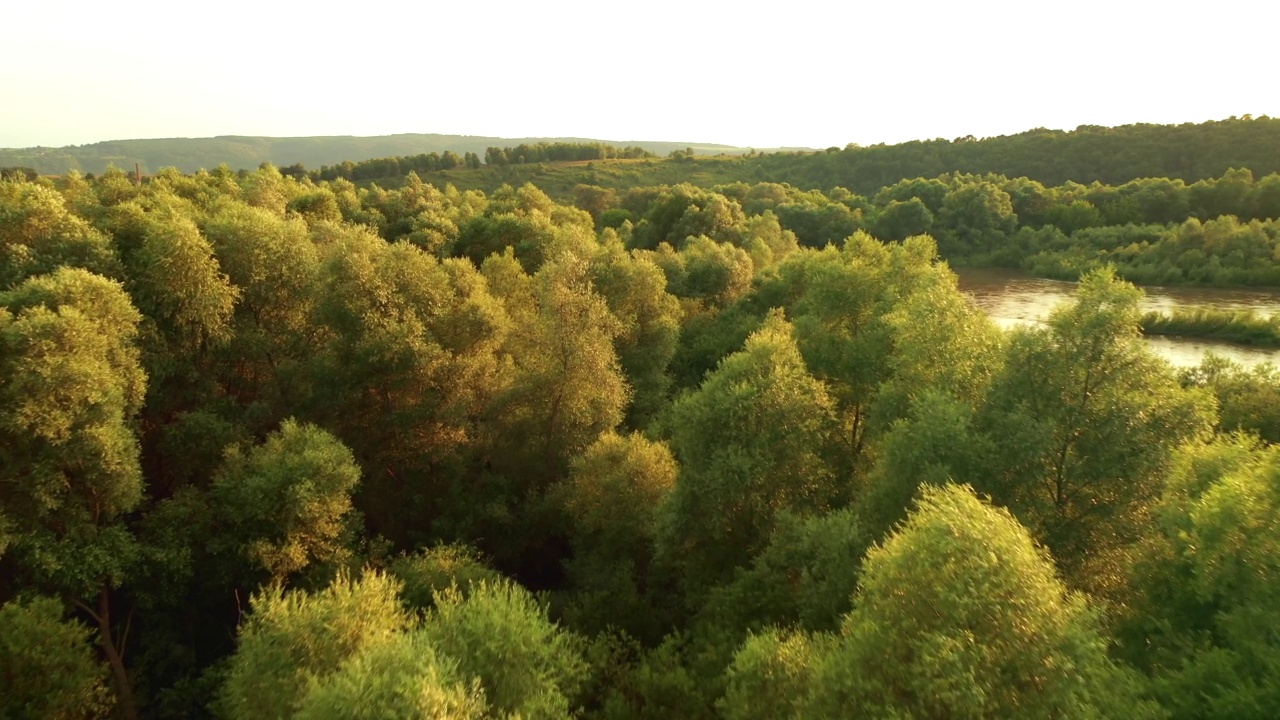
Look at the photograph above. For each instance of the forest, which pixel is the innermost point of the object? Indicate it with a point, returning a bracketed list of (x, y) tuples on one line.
[(280, 446)]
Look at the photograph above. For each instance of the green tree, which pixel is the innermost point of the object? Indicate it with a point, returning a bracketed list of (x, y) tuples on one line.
[(1083, 420), (772, 675), (499, 633), (1206, 582), (612, 495), (274, 266), (710, 273), (853, 310), (289, 640), (1248, 398), (976, 217), (634, 288), (402, 679), (178, 285), (411, 364), (751, 442), (566, 388), (47, 669), (900, 220), (69, 466), (38, 234), (568, 385), (427, 573), (285, 506), (959, 614), (804, 578)]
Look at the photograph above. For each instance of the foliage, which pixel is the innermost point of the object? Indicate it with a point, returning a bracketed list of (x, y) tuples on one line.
[(286, 504), (290, 639), (1248, 399), (959, 614), (429, 572), (1243, 327), (403, 679), (49, 671), (500, 634), (678, 411), (750, 442), (1083, 420)]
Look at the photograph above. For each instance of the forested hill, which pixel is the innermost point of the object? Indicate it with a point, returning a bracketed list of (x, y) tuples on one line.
[(239, 152), (1089, 153), (1111, 156)]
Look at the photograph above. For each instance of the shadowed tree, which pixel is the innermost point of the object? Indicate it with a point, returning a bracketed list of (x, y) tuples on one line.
[(47, 668), (405, 678), (1204, 614), (612, 495)]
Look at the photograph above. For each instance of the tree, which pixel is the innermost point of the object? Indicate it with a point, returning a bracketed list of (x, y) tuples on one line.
[(499, 633), (1248, 398), (405, 678), (274, 266), (712, 273), (900, 220), (634, 288), (959, 614), (285, 506), (38, 234), (411, 364), (976, 217), (612, 495), (751, 443), (853, 309), (429, 572), (804, 579), (1202, 618), (69, 467), (289, 639), (179, 287), (1083, 420), (49, 671), (566, 388), (772, 675)]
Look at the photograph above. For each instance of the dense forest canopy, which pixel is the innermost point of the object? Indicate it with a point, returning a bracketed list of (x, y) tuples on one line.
[(274, 445)]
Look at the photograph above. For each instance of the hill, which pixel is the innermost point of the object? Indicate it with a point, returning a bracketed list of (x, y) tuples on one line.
[(191, 154), (1090, 153), (1111, 156)]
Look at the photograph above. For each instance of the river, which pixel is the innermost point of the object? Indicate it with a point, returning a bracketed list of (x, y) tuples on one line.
[(1013, 298)]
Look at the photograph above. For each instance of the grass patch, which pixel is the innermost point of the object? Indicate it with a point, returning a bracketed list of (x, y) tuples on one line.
[(1243, 327)]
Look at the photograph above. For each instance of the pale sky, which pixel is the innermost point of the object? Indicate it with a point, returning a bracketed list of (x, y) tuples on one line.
[(793, 73)]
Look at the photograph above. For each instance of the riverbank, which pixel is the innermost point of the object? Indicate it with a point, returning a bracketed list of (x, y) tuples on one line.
[(1243, 327)]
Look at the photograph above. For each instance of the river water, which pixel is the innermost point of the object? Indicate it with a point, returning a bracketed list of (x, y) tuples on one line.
[(1013, 298)]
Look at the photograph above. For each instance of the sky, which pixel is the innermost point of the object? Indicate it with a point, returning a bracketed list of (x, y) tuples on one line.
[(778, 74)]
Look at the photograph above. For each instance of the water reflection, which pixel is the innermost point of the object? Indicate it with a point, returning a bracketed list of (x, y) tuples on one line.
[(1014, 298)]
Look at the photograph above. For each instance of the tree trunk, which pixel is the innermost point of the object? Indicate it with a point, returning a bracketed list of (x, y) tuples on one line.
[(124, 690)]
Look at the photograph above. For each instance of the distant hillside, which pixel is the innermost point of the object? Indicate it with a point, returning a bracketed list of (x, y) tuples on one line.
[(191, 154), (1110, 155)]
